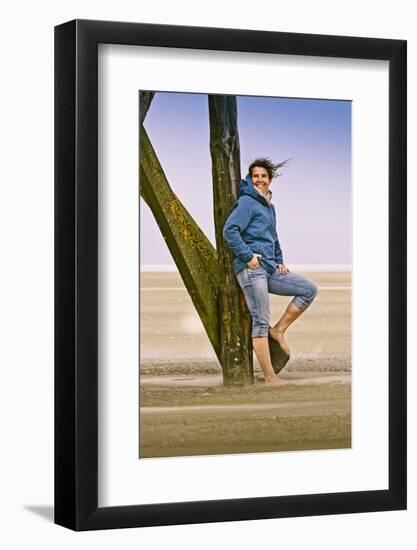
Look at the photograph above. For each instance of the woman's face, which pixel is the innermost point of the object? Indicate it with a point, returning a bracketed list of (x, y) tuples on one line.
[(261, 179)]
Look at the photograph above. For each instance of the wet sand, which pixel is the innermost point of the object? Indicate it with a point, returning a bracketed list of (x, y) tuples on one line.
[(184, 408)]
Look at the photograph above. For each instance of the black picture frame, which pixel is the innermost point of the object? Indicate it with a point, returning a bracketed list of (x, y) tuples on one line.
[(76, 272)]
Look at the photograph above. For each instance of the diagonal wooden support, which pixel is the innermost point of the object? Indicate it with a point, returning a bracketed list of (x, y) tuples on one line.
[(194, 255), (234, 317)]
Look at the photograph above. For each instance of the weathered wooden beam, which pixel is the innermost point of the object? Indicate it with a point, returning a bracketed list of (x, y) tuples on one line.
[(194, 255), (145, 100), (234, 317)]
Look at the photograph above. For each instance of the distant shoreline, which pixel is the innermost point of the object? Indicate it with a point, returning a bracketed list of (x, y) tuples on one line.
[(333, 268)]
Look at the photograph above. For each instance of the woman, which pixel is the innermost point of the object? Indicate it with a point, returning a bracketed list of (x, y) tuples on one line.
[(250, 233)]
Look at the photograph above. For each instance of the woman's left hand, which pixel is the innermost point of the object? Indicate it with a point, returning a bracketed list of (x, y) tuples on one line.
[(282, 268)]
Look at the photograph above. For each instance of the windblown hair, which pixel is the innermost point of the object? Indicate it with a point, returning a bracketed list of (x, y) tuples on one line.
[(269, 166)]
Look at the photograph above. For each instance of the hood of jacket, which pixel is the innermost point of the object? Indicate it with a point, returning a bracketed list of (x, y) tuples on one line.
[(246, 187)]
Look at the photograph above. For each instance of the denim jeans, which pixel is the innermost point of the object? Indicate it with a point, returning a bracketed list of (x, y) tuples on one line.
[(257, 283)]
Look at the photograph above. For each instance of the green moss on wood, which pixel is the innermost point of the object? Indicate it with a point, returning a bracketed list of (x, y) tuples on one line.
[(194, 255)]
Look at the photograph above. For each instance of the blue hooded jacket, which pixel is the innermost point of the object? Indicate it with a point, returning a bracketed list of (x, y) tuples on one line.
[(251, 228)]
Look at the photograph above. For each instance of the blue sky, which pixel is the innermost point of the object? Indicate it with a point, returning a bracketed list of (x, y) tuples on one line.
[(312, 197)]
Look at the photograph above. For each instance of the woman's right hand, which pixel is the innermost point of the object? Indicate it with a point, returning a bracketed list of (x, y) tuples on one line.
[(254, 263)]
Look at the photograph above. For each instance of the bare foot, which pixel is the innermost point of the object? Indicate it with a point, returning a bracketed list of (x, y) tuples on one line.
[(277, 381), (279, 337)]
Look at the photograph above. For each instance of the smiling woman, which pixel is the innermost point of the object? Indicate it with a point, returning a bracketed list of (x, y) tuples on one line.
[(250, 232)]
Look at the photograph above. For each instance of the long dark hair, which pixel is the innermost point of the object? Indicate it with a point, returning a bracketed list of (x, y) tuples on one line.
[(269, 166)]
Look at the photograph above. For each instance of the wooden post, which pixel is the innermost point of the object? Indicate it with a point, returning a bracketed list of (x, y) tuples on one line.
[(145, 100), (233, 315), (193, 253)]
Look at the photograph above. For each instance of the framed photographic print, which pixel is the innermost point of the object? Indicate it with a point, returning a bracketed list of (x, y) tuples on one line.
[(230, 274)]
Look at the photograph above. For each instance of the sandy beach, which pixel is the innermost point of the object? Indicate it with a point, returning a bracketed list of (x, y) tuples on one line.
[(184, 408)]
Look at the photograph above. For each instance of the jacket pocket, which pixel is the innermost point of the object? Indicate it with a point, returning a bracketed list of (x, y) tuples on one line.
[(265, 253)]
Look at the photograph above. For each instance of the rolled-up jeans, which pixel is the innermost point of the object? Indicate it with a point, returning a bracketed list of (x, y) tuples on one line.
[(257, 283)]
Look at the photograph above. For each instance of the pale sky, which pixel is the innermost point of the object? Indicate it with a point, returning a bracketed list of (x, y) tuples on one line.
[(313, 196)]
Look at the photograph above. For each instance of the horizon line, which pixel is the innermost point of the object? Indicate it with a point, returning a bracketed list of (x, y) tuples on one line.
[(172, 268)]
